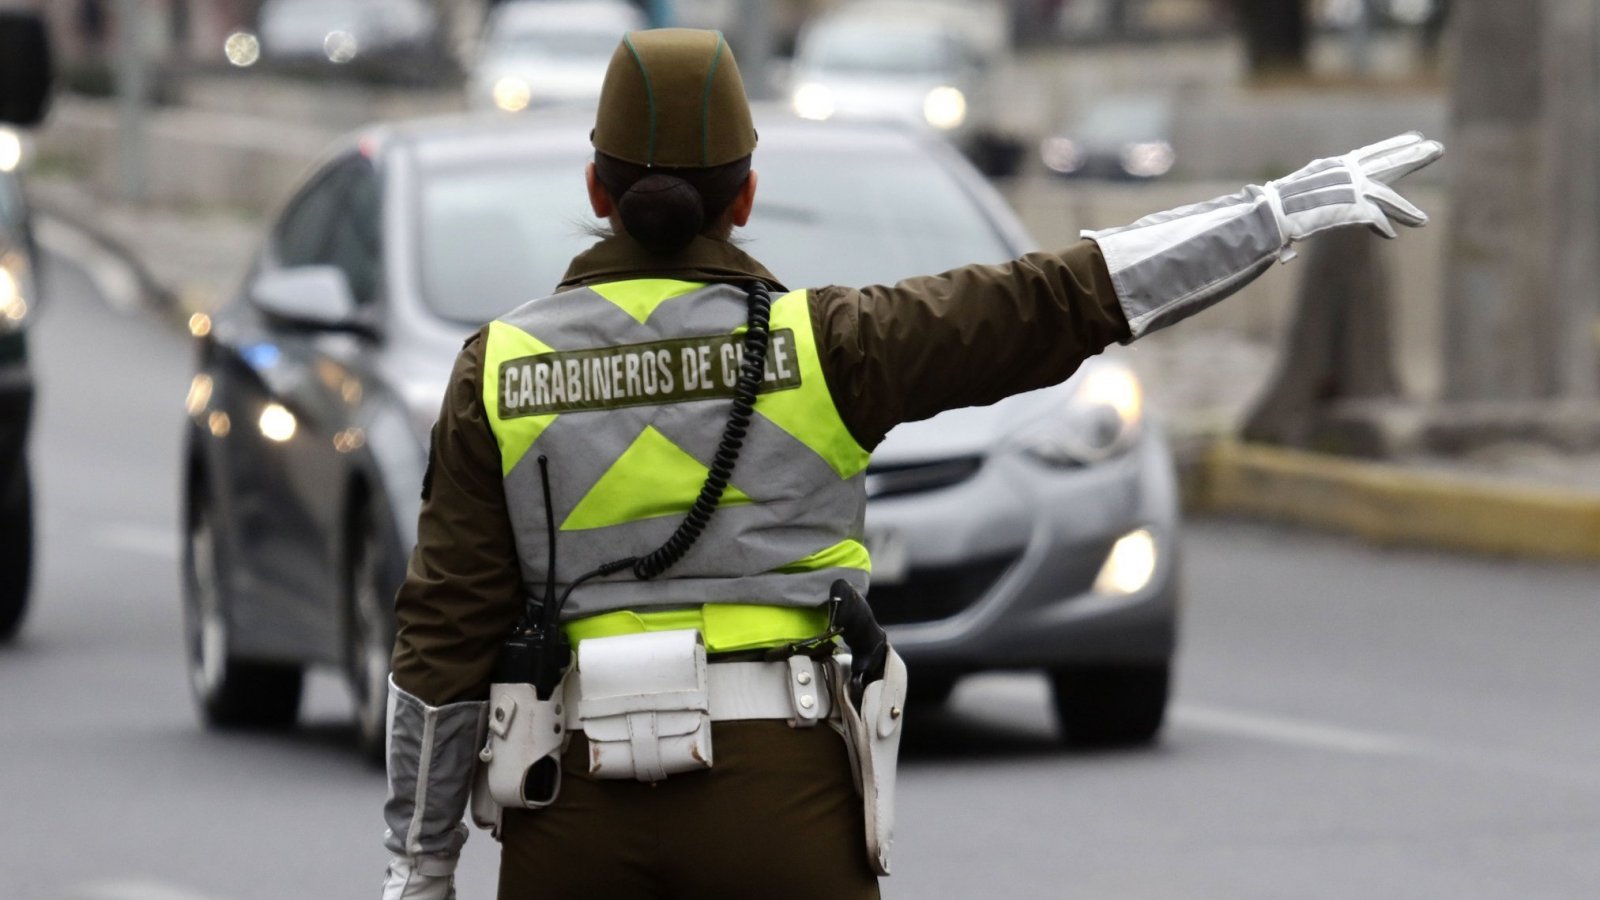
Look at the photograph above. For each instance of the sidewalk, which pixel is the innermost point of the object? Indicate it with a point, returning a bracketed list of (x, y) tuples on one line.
[(1513, 500), (179, 262)]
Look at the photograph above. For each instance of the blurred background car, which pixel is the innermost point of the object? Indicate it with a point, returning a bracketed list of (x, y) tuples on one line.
[(1038, 533), (343, 31), (931, 65), (538, 52), (19, 298), (1352, 13), (1115, 136)]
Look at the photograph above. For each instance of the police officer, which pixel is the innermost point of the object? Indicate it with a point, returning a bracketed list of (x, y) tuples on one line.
[(589, 423)]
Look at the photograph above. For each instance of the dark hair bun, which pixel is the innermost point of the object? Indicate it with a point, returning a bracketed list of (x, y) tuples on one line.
[(662, 212)]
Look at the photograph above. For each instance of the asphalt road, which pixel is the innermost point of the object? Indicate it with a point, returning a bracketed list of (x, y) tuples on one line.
[(1349, 722)]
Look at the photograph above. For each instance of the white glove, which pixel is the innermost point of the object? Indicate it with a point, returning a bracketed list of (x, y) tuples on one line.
[(1353, 189), (411, 882), (1170, 265)]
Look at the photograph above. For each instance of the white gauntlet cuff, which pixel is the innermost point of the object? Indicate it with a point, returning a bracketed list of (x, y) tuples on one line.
[(1169, 266), (433, 754)]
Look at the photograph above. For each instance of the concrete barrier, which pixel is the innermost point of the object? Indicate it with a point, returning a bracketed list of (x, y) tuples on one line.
[(199, 158)]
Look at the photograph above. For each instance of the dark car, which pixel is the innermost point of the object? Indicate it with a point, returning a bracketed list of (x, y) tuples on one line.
[(1118, 136), (1036, 533), (18, 299)]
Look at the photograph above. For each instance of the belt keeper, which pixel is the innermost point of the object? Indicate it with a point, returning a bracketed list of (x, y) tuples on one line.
[(805, 691)]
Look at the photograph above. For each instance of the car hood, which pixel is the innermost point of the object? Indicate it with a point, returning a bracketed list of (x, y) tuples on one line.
[(972, 431), (549, 79), (879, 98)]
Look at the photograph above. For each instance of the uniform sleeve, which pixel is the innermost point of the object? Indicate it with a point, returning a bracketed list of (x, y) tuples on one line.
[(463, 587), (967, 337)]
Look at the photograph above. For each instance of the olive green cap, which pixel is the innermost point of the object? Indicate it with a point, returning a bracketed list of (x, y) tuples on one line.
[(673, 97)]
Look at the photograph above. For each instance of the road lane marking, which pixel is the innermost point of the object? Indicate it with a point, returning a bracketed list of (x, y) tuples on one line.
[(1010, 695), (112, 277), (136, 889), (1326, 736), (1293, 731)]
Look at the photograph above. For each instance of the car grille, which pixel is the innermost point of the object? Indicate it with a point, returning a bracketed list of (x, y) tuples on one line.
[(913, 478), (931, 593)]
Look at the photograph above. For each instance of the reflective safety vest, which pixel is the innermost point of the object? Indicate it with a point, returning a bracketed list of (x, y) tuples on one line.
[(625, 388)]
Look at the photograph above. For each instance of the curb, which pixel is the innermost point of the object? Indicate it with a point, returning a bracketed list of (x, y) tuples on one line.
[(117, 272), (1396, 505)]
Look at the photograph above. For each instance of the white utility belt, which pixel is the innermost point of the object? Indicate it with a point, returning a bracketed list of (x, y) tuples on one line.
[(792, 689), (645, 704)]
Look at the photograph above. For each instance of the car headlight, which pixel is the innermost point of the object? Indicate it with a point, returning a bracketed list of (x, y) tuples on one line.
[(1148, 159), (1101, 419), (1129, 566), (813, 101), (277, 423), (16, 291), (13, 149), (1060, 154), (945, 108), (512, 94)]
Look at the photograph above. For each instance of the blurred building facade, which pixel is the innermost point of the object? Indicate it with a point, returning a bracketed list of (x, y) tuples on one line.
[(172, 31)]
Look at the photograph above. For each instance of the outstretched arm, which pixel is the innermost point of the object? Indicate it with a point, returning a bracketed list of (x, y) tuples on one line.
[(902, 352), (1169, 266)]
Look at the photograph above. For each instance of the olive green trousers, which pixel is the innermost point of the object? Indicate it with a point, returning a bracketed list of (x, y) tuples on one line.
[(776, 817)]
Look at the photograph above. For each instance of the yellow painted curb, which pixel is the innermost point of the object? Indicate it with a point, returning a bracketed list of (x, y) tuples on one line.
[(1392, 504)]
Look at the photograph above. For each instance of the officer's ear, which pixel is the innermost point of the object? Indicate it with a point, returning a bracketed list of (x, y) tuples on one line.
[(599, 200), (743, 202)]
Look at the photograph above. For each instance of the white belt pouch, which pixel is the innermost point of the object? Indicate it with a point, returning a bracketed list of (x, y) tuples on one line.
[(644, 704)]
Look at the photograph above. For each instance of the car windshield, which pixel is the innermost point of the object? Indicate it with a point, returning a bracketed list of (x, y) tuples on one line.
[(494, 237), (1124, 119), (912, 51), (575, 44)]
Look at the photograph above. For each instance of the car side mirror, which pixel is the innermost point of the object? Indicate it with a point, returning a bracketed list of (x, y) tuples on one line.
[(25, 67), (316, 297)]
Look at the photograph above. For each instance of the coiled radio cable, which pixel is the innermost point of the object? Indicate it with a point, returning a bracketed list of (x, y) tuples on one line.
[(751, 368)]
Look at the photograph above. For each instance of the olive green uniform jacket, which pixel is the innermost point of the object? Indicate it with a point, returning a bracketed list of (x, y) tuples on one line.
[(890, 354)]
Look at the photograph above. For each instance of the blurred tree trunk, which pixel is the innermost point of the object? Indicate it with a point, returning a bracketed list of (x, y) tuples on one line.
[(1572, 130), (1118, 18), (179, 26), (1338, 346), (1521, 310), (1275, 35)]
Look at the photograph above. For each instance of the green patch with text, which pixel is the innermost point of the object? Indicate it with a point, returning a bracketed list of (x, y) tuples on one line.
[(652, 374)]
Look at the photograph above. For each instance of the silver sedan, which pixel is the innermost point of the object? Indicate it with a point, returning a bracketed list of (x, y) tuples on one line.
[(1035, 533)]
